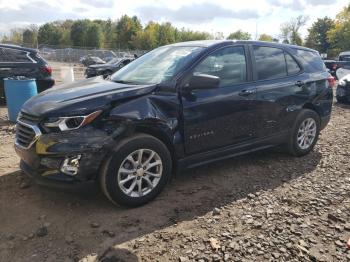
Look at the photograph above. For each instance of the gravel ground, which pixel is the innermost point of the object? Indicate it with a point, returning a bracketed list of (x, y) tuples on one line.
[(265, 206)]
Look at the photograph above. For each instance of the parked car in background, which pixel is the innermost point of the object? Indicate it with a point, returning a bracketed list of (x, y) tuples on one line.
[(342, 61), (20, 61), (178, 106), (108, 68), (91, 60), (343, 89)]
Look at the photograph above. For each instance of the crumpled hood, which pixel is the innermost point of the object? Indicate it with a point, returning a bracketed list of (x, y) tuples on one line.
[(82, 97), (100, 66)]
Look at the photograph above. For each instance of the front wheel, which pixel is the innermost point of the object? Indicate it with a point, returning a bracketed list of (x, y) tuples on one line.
[(137, 171), (304, 134)]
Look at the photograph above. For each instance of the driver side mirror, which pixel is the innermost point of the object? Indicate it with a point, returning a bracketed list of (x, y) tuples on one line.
[(203, 81)]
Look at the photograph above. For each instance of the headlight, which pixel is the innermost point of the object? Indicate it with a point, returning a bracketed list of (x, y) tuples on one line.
[(72, 122)]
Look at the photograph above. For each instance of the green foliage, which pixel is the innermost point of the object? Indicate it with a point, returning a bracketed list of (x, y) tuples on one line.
[(94, 36), (266, 37), (30, 36), (317, 37), (49, 34), (239, 35), (126, 29), (339, 34), (290, 30)]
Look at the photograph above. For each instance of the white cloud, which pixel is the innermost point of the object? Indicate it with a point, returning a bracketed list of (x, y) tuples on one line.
[(225, 16)]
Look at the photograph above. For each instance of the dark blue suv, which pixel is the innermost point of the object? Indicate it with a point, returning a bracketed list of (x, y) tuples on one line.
[(178, 106)]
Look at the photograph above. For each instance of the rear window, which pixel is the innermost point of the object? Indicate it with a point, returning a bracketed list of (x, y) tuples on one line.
[(311, 60), (13, 55)]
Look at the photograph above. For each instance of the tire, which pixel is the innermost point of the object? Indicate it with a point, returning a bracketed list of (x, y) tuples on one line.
[(293, 146), (112, 173)]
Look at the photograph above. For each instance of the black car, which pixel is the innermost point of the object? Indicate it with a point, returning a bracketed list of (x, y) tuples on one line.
[(343, 90), (91, 60), (178, 106), (108, 68), (20, 61)]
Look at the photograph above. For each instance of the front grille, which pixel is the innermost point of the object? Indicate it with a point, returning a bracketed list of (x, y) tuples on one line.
[(26, 134), (24, 117)]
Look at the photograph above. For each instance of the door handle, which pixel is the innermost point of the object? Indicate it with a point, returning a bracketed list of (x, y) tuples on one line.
[(299, 83), (247, 92)]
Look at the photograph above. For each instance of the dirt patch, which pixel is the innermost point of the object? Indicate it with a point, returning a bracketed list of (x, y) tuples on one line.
[(259, 207)]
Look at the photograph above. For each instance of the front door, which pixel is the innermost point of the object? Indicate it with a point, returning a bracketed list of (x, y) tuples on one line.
[(220, 116)]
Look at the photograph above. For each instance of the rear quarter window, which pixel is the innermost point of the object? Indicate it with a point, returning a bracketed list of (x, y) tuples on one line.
[(311, 60)]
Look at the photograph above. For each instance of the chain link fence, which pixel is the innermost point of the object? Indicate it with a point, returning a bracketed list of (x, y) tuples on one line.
[(75, 55)]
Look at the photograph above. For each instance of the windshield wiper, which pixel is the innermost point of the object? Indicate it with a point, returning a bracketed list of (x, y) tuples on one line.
[(125, 82)]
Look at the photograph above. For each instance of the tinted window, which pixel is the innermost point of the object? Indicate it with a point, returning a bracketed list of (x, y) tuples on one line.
[(270, 62), (13, 55), (227, 63), (311, 59), (292, 66), (344, 58)]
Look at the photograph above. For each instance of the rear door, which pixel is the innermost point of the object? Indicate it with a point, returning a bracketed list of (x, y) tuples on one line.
[(280, 89)]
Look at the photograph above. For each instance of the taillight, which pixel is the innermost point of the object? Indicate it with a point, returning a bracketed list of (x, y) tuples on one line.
[(331, 81), (47, 70)]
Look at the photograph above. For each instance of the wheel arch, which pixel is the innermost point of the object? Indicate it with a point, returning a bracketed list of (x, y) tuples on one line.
[(312, 107)]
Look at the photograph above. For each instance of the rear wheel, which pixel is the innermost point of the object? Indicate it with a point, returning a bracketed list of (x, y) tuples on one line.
[(305, 133), (137, 171)]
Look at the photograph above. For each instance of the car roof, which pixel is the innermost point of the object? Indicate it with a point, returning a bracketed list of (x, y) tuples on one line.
[(212, 43), (17, 47), (345, 53)]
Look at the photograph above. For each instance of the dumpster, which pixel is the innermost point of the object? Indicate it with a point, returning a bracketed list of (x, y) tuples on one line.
[(17, 92)]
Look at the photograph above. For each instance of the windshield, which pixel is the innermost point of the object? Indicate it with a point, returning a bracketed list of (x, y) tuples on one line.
[(157, 66), (344, 58), (114, 61)]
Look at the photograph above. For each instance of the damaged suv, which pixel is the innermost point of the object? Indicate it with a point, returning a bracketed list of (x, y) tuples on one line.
[(178, 106)]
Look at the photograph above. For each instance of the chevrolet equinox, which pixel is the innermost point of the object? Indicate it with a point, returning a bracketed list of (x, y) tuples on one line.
[(178, 106)]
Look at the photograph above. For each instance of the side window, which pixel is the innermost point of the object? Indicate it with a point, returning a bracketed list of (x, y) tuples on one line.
[(2, 55), (228, 63), (13, 55), (270, 62), (311, 59), (292, 66)]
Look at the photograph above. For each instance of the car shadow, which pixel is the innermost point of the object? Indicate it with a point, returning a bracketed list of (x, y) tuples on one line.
[(189, 194)]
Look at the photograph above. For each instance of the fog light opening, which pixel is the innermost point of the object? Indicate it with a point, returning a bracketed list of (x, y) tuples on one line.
[(70, 165)]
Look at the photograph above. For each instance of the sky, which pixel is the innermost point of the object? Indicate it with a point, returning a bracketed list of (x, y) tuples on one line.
[(253, 16)]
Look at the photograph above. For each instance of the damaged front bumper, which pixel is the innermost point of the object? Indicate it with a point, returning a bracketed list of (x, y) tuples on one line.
[(66, 157)]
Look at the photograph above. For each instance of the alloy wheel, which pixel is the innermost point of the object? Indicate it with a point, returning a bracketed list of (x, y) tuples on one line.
[(140, 172)]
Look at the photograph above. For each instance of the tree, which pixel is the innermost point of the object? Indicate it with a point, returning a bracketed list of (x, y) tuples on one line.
[(339, 34), (126, 29), (166, 34), (290, 30), (239, 35), (148, 38), (266, 37), (78, 33), (30, 36), (94, 36), (317, 37), (49, 34)]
